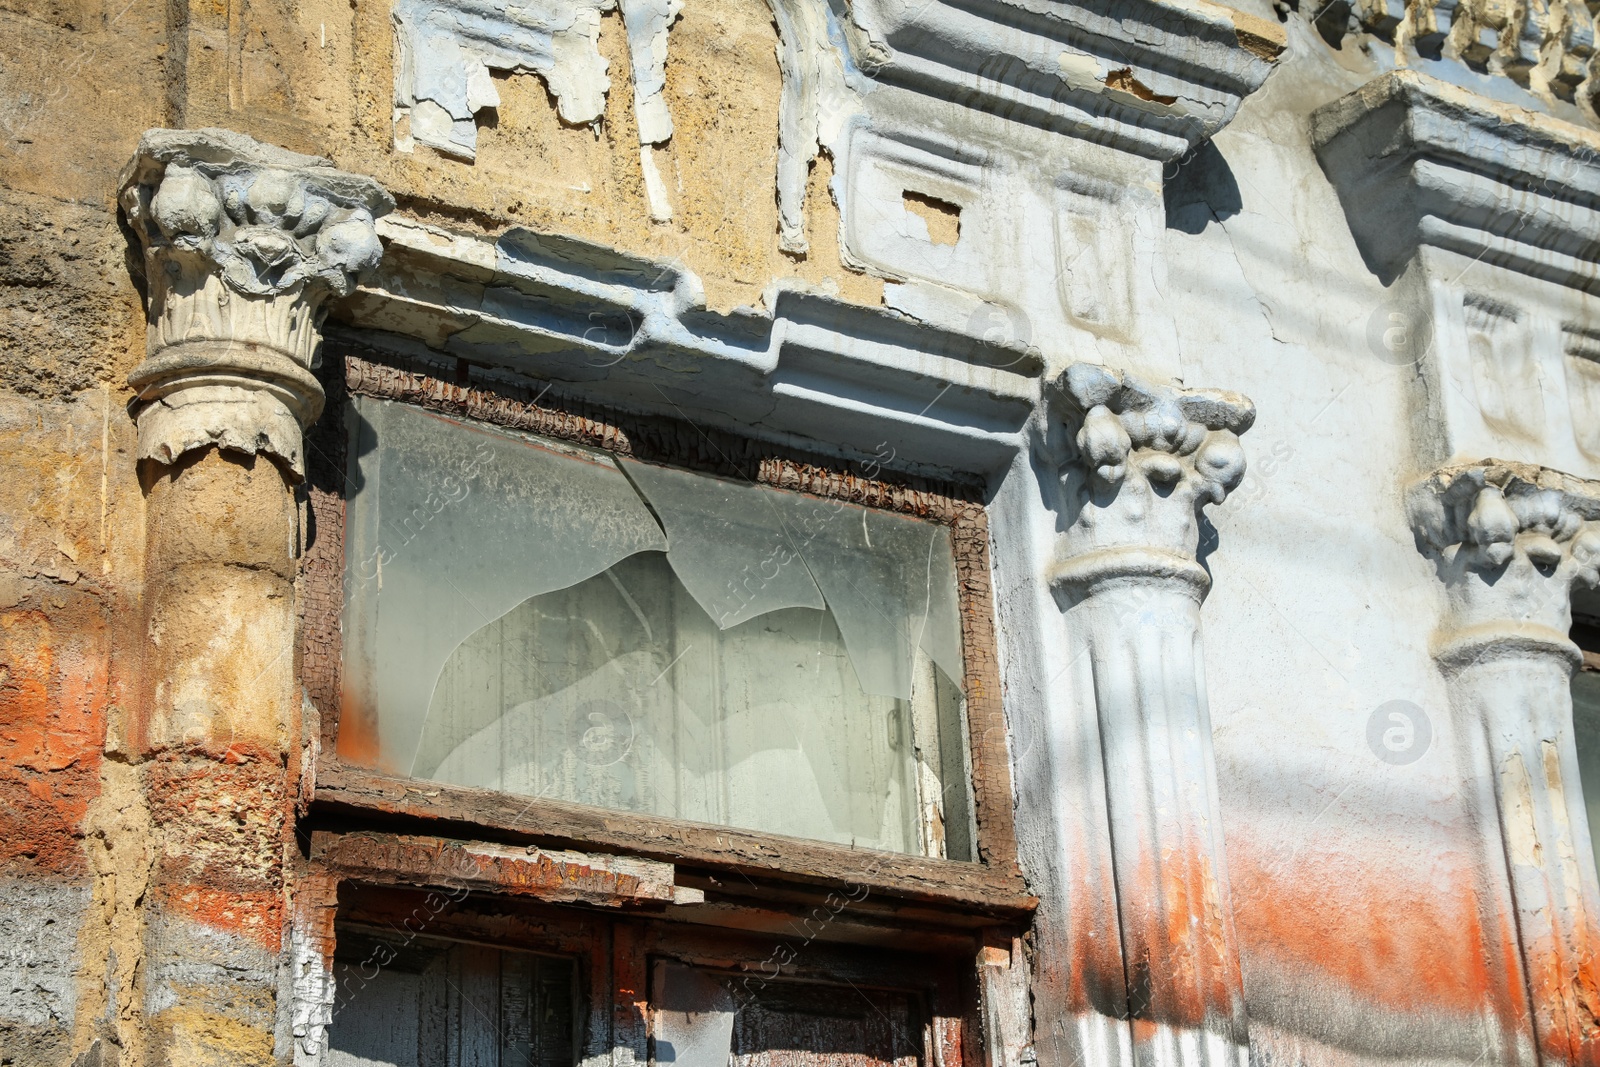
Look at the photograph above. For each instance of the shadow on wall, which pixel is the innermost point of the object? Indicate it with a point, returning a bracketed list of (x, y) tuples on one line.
[(1199, 189)]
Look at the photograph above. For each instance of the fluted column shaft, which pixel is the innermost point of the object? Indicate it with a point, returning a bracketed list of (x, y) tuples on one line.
[(1139, 464), (1509, 542)]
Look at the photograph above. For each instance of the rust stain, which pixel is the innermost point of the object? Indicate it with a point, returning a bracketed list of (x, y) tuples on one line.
[(1421, 931), (54, 688), (1561, 951), (357, 738), (256, 916), (223, 828)]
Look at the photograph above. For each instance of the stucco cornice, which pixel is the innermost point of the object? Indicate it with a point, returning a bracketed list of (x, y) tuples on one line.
[(634, 332), (1153, 77), (1419, 162)]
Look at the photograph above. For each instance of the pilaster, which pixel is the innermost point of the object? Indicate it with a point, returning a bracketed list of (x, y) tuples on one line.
[(1138, 463), (243, 247), (1509, 542)]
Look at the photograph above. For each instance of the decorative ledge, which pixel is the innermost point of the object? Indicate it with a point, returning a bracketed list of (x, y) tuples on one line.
[(1419, 162), (635, 333), (1153, 77)]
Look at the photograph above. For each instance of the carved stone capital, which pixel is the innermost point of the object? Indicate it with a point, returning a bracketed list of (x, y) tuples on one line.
[(1509, 541), (1139, 462), (244, 244)]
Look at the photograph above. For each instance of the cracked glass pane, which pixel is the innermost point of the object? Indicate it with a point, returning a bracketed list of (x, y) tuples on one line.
[(1586, 725), (772, 662), (728, 545), (449, 526), (889, 580)]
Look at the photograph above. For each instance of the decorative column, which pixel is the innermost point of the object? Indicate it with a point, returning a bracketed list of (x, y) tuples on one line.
[(244, 245), (1140, 462), (1509, 540)]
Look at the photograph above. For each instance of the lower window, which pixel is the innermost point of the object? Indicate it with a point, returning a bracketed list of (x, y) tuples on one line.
[(512, 984), (416, 1002)]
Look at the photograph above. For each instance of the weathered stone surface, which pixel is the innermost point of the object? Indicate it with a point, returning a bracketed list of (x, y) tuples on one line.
[(61, 311), (39, 925)]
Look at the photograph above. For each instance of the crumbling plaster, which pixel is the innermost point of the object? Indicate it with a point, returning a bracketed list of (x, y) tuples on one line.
[(1301, 817)]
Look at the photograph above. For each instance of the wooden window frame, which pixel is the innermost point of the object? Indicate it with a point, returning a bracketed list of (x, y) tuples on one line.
[(987, 889), (613, 950)]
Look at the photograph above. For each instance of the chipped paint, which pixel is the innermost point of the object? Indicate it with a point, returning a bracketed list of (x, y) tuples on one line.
[(445, 49)]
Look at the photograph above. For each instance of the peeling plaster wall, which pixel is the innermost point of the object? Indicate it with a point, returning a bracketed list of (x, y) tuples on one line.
[(71, 537), (1355, 879)]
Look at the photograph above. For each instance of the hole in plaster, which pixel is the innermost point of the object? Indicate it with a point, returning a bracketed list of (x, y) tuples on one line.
[(943, 218), (1122, 79)]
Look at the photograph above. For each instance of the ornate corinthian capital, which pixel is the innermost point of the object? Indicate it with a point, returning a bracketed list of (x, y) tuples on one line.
[(1509, 540), (244, 244), (1142, 460)]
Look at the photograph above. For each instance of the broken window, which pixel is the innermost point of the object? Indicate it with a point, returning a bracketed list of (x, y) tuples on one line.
[(1586, 725), (533, 617)]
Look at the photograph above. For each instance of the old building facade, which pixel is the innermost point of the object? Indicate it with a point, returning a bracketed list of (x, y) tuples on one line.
[(680, 531)]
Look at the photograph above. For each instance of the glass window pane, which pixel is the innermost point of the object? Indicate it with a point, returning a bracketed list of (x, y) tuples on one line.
[(703, 1018), (450, 526), (1586, 724), (518, 620)]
